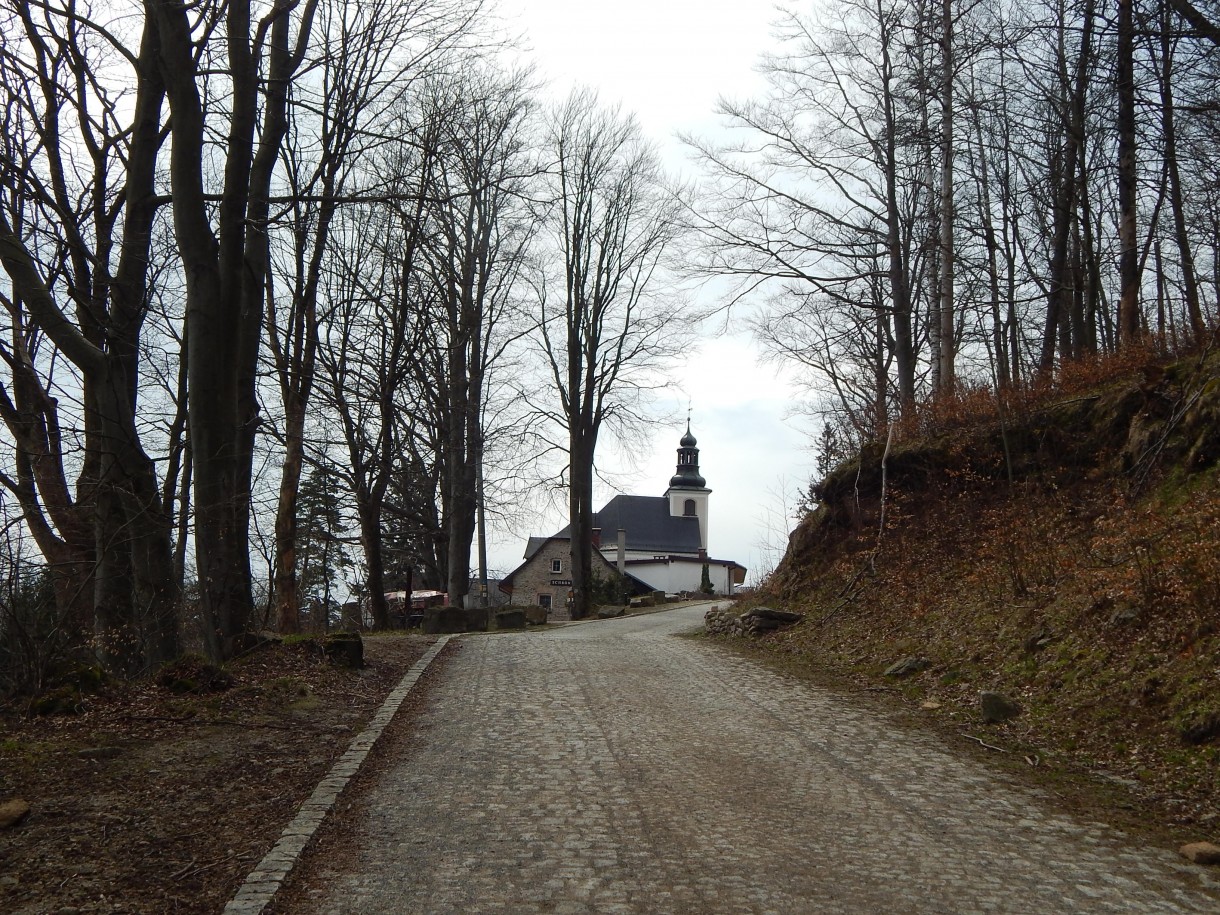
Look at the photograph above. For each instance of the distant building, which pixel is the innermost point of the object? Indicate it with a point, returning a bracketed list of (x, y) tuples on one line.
[(495, 597), (658, 542)]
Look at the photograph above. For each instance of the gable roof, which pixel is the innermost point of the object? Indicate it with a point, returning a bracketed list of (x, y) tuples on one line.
[(649, 525)]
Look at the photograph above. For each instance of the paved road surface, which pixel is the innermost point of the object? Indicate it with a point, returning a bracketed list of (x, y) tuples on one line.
[(611, 767)]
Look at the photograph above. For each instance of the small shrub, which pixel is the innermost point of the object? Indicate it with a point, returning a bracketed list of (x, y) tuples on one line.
[(35, 636), (63, 700), (192, 673), (1201, 729), (287, 687)]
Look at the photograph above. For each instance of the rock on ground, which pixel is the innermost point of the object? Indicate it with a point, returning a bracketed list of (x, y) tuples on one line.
[(13, 812), (1202, 852), (997, 707)]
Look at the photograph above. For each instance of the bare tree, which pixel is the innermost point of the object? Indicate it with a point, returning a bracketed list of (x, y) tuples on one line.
[(868, 103), (1205, 25), (830, 186), (479, 226), (374, 331), (1173, 172), (317, 165), (224, 255), (1073, 86), (370, 56), (946, 311), (79, 175), (1129, 261), (606, 321)]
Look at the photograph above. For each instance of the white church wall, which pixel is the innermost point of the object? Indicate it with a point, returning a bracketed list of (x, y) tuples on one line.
[(675, 577)]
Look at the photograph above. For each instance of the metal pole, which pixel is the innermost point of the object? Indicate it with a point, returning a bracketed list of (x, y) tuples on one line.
[(482, 518)]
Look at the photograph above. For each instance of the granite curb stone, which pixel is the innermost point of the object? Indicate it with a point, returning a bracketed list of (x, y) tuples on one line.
[(265, 880)]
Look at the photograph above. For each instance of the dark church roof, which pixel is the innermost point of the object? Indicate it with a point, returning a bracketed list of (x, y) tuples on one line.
[(649, 525), (536, 543)]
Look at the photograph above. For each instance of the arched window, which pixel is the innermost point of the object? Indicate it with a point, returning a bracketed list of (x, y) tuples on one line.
[(689, 508)]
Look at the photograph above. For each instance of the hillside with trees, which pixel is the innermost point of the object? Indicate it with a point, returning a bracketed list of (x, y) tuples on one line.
[(985, 235)]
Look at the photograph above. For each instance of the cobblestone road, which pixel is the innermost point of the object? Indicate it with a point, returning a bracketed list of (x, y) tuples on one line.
[(610, 767)]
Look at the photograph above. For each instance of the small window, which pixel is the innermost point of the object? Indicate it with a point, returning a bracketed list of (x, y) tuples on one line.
[(689, 508), (544, 600), (556, 565)]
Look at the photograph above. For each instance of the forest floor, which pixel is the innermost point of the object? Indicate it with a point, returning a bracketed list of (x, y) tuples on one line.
[(153, 801)]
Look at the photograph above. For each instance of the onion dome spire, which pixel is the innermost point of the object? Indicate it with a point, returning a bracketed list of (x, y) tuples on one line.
[(688, 463)]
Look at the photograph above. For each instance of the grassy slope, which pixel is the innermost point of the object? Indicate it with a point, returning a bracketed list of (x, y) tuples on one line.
[(1087, 587)]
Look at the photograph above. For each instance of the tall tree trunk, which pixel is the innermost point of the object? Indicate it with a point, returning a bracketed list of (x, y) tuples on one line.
[(135, 601), (297, 362), (116, 632), (1129, 268), (369, 509), (1077, 329), (1072, 101), (484, 594), (135, 598), (60, 526), (287, 600), (184, 517), (977, 157), (1162, 327), (947, 313), (224, 287), (580, 514), (460, 469), (900, 293), (881, 376), (1091, 261), (1190, 284), (212, 316), (463, 506)]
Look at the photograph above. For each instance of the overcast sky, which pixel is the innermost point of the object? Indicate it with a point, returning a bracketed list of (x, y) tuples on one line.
[(668, 61)]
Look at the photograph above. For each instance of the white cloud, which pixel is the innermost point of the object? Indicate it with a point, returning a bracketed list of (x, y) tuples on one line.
[(666, 60)]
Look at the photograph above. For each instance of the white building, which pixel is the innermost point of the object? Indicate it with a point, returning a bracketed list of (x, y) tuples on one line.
[(659, 542)]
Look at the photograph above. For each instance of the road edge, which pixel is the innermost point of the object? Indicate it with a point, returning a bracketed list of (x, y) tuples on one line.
[(262, 883)]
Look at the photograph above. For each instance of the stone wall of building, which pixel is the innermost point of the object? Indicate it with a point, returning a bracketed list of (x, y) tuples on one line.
[(540, 582)]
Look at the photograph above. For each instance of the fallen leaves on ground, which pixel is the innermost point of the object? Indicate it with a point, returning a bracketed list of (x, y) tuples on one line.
[(151, 801)]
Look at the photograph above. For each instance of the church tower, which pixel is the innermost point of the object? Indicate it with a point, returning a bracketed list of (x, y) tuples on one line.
[(688, 492)]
